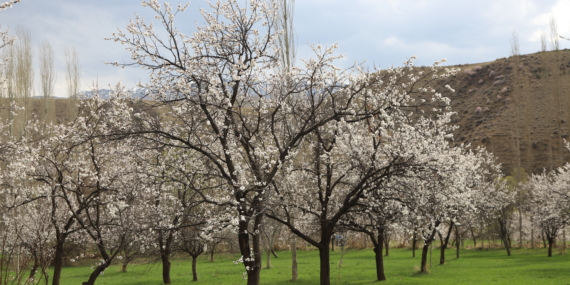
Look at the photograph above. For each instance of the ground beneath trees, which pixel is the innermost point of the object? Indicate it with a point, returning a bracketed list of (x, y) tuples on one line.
[(525, 266)]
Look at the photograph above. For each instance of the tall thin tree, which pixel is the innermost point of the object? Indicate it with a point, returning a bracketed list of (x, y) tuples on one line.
[(287, 53), (554, 38), (19, 76), (542, 41), (286, 40), (73, 75), (47, 78)]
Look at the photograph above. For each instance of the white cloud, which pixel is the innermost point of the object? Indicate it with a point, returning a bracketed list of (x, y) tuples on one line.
[(381, 32), (393, 41)]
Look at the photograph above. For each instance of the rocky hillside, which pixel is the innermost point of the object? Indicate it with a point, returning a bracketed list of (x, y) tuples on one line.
[(517, 107)]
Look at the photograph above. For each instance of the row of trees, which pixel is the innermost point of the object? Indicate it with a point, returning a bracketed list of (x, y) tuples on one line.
[(103, 185), (320, 141), (546, 200), (19, 79), (235, 135)]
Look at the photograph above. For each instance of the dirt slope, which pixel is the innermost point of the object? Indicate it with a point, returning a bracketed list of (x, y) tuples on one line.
[(516, 107)]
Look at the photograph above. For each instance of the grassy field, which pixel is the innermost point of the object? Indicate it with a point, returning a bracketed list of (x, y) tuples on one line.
[(525, 266)]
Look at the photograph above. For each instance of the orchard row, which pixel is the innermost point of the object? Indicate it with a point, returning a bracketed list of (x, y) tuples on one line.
[(231, 139)]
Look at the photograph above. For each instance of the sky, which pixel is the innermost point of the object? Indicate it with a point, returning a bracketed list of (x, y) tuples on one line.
[(380, 33)]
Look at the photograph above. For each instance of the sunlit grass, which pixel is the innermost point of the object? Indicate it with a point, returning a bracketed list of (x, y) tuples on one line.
[(525, 266)]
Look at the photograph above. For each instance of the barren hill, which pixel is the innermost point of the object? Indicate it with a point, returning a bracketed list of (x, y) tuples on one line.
[(517, 107)]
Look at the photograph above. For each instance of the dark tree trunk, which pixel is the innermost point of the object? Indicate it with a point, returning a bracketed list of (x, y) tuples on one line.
[(212, 250), (34, 268), (531, 233), (165, 256), (425, 249), (332, 242), (324, 257), (165, 250), (268, 261), (256, 239), (564, 242), (520, 229), (45, 273), (60, 234), (550, 244), (244, 246), (508, 247), (549, 249), (58, 260), (101, 268), (505, 235), (457, 242), (378, 247), (294, 271), (253, 263), (124, 267), (96, 273), (444, 244), (194, 271), (473, 236), (414, 244), (386, 243)]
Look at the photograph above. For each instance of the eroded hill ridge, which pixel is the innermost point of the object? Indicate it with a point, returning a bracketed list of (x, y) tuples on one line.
[(517, 107)]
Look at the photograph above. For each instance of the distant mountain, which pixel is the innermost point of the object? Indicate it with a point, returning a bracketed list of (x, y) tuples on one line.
[(136, 92), (52, 97)]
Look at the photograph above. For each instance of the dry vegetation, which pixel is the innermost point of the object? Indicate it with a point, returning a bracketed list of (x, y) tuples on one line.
[(517, 108)]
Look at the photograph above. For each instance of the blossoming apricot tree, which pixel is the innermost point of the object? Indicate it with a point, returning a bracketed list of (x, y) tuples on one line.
[(223, 101)]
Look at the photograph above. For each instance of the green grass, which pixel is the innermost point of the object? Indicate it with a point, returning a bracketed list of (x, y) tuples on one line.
[(525, 266)]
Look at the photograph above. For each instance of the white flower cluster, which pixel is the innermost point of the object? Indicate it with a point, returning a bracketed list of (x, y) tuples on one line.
[(8, 4)]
